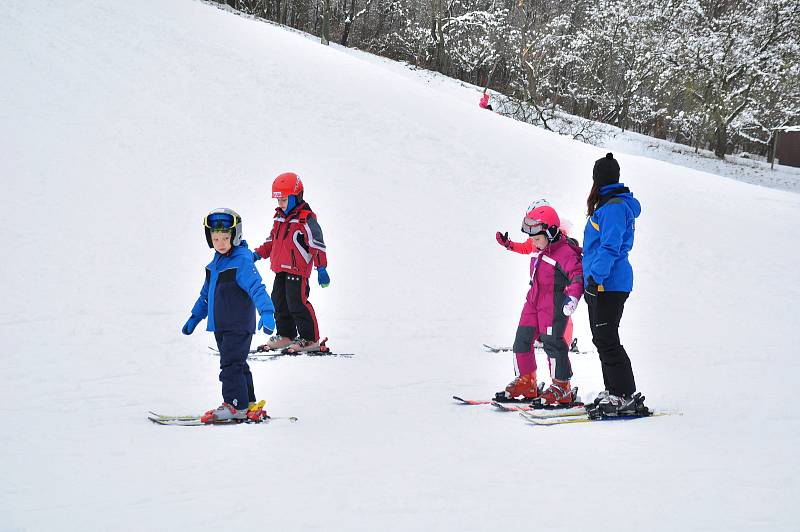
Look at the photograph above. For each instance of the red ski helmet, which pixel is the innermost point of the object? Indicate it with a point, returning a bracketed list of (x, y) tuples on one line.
[(541, 219), (287, 184)]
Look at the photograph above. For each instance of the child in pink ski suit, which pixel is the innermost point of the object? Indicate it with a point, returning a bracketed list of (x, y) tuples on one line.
[(556, 287)]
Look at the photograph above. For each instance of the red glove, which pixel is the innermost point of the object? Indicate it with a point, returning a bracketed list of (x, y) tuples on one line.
[(502, 239)]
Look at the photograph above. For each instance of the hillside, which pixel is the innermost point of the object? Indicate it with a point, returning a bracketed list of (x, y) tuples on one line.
[(123, 123)]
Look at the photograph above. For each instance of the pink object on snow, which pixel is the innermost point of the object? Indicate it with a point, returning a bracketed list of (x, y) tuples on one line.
[(484, 100)]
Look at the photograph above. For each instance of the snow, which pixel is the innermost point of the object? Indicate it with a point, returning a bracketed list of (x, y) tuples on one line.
[(123, 123), (749, 170)]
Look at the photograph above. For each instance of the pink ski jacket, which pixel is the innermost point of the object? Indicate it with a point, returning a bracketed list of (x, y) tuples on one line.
[(556, 272)]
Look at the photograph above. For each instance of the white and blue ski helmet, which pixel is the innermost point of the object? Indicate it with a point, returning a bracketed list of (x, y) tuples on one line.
[(225, 220)]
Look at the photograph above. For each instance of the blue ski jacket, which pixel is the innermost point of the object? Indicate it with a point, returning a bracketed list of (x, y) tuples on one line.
[(607, 239), (233, 289)]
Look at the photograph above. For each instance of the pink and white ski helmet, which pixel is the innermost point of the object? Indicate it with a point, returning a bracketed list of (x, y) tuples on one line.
[(541, 218)]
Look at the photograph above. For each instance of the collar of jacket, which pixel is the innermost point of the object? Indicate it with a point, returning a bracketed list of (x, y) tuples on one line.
[(299, 209), (611, 191), (555, 244)]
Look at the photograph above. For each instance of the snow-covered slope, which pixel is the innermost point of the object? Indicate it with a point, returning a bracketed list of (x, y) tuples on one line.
[(122, 123)]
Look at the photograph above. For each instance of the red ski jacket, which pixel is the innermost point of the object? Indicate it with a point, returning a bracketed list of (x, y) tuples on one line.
[(295, 244)]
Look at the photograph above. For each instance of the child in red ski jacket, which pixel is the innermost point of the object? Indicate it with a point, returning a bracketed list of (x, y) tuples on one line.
[(294, 246), (556, 287)]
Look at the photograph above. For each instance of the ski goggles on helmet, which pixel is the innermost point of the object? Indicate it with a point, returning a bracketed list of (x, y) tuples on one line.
[(220, 222), (533, 227)]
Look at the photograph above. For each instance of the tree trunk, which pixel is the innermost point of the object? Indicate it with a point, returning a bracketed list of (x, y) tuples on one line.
[(349, 22), (438, 35), (721, 141), (326, 23)]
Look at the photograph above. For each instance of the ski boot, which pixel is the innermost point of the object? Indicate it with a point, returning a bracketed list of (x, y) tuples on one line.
[(573, 347), (224, 413), (523, 385), (301, 345), (256, 412), (559, 393), (275, 343), (609, 405)]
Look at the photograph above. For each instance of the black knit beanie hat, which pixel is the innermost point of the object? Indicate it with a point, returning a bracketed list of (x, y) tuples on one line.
[(606, 170)]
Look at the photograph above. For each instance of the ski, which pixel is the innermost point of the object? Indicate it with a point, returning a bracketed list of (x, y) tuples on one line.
[(543, 411), (273, 354), (489, 401), (496, 349), (582, 418), (471, 401), (194, 421), (164, 417), (270, 355), (215, 351), (573, 348), (510, 405)]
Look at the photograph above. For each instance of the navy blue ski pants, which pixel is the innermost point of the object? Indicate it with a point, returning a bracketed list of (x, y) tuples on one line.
[(237, 381)]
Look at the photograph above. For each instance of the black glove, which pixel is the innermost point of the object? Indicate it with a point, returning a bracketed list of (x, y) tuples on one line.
[(591, 288)]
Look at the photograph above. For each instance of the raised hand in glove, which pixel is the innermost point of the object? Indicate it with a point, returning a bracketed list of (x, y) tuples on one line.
[(502, 239)]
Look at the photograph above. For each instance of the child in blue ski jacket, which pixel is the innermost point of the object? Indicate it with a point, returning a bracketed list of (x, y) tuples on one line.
[(231, 293)]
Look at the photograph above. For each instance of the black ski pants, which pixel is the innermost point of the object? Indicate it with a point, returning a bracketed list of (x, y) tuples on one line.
[(605, 313), (294, 315)]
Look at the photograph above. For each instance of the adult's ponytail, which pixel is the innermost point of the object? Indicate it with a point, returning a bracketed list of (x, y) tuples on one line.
[(593, 200)]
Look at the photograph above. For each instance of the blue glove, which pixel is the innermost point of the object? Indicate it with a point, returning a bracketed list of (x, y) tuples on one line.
[(191, 323), (256, 256), (267, 322), (323, 277)]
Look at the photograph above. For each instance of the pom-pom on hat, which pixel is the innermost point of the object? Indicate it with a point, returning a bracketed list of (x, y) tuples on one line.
[(606, 170)]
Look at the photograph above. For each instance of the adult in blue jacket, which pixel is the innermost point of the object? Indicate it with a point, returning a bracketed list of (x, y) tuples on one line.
[(231, 293), (608, 281)]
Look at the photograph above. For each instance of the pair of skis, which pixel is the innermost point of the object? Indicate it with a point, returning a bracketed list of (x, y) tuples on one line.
[(534, 409), (261, 353), (539, 414), (196, 420)]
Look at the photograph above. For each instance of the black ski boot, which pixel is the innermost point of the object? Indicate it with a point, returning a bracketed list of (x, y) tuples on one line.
[(609, 405)]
